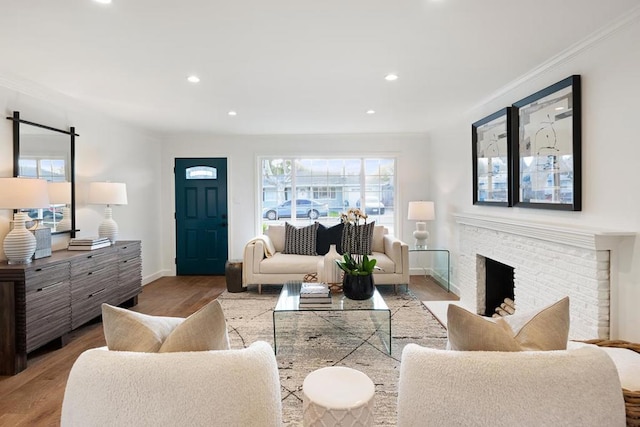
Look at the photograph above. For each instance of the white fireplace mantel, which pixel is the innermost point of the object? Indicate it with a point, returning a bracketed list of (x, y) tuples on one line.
[(550, 261), (582, 237)]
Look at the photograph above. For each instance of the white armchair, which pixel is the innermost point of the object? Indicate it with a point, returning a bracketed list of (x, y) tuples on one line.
[(528, 388), (205, 388)]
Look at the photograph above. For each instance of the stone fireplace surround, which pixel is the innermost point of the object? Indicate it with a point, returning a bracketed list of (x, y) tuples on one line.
[(550, 261)]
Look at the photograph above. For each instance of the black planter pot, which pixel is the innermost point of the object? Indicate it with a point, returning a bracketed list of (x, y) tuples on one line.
[(358, 287)]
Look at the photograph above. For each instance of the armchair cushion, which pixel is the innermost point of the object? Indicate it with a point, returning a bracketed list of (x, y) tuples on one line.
[(546, 329), (127, 330)]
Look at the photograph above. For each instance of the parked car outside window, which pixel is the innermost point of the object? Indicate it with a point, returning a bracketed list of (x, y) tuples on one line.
[(372, 205), (305, 208)]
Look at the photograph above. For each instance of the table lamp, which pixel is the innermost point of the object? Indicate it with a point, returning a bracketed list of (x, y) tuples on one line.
[(108, 193), (21, 193), (60, 194), (421, 211)]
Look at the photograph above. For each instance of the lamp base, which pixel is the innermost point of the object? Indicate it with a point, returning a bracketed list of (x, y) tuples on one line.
[(108, 228), (421, 235), (65, 222), (20, 244)]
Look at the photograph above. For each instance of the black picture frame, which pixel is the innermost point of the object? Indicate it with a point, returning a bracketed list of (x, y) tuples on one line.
[(547, 154), (492, 150)]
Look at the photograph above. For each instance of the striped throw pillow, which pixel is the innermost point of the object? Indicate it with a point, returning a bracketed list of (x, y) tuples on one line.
[(358, 239), (300, 241)]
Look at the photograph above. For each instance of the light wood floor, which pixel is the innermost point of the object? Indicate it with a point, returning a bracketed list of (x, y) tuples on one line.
[(34, 396)]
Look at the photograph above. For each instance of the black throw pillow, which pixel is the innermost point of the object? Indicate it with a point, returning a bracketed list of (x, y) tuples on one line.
[(327, 237)]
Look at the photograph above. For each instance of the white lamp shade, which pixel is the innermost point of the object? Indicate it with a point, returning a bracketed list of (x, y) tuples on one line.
[(421, 211), (23, 193), (108, 193), (59, 193)]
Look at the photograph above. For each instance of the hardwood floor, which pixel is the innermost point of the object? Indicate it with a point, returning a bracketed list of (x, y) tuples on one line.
[(34, 396)]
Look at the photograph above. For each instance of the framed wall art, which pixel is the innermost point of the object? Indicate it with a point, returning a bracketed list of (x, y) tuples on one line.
[(492, 139), (547, 160)]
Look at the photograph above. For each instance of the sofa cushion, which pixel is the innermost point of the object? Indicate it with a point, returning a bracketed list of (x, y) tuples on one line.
[(377, 244), (288, 263), (546, 329), (300, 240), (358, 239), (327, 237), (127, 330), (386, 264), (276, 234)]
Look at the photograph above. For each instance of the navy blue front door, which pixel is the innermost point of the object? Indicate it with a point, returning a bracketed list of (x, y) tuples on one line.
[(201, 216)]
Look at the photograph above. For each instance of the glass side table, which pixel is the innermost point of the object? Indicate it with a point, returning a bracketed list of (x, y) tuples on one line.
[(437, 262)]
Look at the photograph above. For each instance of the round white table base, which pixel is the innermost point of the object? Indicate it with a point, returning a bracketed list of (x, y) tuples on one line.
[(337, 396)]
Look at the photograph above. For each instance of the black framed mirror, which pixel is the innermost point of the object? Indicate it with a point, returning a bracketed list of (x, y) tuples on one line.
[(41, 151)]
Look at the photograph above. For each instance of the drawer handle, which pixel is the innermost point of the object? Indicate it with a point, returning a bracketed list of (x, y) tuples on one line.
[(46, 268), (96, 271), (49, 286), (97, 293), (97, 255)]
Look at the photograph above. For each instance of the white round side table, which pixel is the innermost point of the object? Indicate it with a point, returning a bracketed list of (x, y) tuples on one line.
[(337, 396)]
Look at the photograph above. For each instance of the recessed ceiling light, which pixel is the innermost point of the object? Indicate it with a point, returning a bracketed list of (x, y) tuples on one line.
[(391, 77), (103, 1), (371, 111), (559, 108), (193, 79), (232, 113)]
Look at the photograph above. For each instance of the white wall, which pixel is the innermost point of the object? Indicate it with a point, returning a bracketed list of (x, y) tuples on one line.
[(105, 150), (611, 150), (242, 153)]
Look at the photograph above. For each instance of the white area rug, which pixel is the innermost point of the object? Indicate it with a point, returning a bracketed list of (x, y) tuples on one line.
[(313, 340)]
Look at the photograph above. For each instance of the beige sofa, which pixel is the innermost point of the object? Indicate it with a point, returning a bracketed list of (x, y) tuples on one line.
[(261, 267)]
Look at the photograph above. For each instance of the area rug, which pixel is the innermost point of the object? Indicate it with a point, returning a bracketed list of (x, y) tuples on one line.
[(311, 340)]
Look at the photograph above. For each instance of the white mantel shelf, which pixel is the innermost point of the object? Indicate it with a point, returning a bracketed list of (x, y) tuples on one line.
[(582, 237)]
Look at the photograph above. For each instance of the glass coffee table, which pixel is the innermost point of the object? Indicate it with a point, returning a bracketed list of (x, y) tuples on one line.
[(289, 302)]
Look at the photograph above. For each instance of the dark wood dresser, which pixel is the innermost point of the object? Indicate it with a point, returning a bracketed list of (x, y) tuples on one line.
[(43, 301)]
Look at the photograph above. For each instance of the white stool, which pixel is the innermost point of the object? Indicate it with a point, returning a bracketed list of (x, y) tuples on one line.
[(337, 396)]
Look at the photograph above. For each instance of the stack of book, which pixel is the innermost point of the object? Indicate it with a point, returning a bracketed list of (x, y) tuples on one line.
[(315, 293), (88, 243)]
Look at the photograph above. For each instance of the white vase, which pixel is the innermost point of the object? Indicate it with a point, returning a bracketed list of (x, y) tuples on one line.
[(332, 273)]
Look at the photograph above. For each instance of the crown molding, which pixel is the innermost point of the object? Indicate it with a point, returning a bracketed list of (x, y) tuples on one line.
[(564, 56)]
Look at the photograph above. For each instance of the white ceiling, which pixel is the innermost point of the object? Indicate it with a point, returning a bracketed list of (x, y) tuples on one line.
[(287, 66)]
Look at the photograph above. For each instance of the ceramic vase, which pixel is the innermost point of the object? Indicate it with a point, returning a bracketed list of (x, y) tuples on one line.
[(358, 287), (332, 272)]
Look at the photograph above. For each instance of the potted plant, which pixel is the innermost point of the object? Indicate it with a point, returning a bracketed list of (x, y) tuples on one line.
[(357, 282)]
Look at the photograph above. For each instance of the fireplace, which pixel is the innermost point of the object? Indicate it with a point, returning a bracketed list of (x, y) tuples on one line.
[(498, 285), (549, 262)]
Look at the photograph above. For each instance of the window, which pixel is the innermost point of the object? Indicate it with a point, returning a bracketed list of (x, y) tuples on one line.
[(324, 188), (201, 172)]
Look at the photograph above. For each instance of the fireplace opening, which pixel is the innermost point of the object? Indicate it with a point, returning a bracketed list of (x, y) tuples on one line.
[(499, 295)]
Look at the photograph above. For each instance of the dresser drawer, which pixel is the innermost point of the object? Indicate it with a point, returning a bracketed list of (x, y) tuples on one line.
[(90, 290), (129, 249), (93, 261), (40, 277), (48, 313)]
